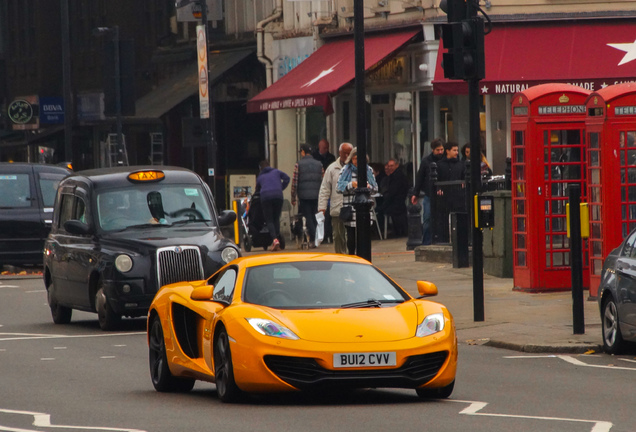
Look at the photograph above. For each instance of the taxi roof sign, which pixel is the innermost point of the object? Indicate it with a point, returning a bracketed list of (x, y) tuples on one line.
[(146, 176)]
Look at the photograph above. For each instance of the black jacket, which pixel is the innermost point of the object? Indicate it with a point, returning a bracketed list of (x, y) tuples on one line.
[(423, 176)]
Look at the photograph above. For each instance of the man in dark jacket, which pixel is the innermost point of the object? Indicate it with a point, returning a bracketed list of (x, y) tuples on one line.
[(306, 184), (395, 188), (323, 155), (451, 168), (270, 183), (423, 183)]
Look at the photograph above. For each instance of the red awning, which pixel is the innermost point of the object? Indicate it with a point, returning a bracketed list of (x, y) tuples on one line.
[(590, 55), (325, 72)]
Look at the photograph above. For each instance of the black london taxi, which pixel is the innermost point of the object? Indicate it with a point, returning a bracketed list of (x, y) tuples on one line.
[(27, 193), (121, 233)]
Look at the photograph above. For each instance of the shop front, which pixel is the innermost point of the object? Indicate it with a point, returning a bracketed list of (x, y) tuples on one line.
[(589, 54)]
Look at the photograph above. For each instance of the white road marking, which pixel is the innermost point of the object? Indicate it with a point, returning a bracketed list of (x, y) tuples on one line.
[(628, 360), (575, 361), (9, 286), (474, 407), (35, 291), (47, 358), (107, 357), (119, 346), (33, 336), (59, 348), (42, 420)]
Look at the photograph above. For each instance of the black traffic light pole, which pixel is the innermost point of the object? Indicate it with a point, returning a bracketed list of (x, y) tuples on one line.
[(362, 201), (463, 37)]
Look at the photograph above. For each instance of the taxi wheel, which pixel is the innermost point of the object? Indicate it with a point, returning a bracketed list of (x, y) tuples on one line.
[(60, 314), (612, 337), (108, 319), (437, 393), (226, 387), (162, 378)]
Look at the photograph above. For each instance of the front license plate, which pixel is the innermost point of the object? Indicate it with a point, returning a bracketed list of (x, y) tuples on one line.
[(352, 360)]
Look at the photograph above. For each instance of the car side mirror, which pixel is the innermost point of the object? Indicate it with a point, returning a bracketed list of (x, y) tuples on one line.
[(426, 289), (76, 227), (203, 292), (227, 217)]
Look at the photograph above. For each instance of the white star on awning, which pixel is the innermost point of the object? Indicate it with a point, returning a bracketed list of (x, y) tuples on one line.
[(630, 51), (320, 75)]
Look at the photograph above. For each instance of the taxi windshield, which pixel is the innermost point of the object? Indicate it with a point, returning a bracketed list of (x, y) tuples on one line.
[(147, 205)]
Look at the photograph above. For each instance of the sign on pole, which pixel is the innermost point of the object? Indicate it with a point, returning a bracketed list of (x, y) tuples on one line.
[(202, 56)]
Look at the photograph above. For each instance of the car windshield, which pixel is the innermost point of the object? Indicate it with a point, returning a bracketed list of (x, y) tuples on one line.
[(147, 205), (320, 285)]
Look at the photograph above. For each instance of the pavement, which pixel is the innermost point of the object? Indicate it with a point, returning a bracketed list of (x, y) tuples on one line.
[(515, 320)]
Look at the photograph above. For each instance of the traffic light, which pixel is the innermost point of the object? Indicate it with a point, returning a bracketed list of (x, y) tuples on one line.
[(455, 10), (464, 41)]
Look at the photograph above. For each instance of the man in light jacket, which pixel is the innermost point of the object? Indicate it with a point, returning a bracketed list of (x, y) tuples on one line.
[(328, 194)]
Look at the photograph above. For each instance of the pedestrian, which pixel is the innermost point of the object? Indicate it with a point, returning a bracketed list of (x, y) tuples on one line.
[(450, 168), (330, 201), (465, 153), (347, 184), (424, 184), (306, 182), (323, 155), (395, 188), (271, 183), (325, 158)]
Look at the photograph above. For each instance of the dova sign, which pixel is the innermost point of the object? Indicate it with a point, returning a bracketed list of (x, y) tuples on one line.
[(51, 110)]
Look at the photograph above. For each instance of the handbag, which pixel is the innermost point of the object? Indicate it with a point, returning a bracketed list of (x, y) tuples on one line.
[(346, 213)]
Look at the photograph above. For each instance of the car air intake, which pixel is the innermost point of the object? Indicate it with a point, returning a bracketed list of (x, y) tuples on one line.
[(178, 264)]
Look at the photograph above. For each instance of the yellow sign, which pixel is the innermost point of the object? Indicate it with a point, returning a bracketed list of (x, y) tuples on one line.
[(146, 176)]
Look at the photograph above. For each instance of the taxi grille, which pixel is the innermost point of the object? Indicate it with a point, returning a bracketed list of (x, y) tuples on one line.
[(302, 372), (178, 264)]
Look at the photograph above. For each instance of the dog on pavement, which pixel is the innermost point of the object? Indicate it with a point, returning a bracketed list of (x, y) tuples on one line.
[(300, 233)]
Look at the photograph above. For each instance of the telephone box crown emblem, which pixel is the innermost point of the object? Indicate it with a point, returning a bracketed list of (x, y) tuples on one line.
[(564, 99)]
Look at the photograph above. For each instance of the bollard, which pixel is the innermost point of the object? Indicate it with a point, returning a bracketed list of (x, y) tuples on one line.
[(415, 230), (459, 239)]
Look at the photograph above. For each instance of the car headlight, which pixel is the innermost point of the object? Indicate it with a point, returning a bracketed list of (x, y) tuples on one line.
[(270, 328), (123, 263), (228, 254), (432, 324)]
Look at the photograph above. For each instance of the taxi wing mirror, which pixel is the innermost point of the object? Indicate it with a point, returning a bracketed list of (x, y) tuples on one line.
[(77, 228), (227, 217), (203, 292), (426, 289)]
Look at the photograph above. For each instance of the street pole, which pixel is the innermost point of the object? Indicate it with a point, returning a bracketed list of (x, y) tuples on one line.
[(66, 78), (362, 201), (120, 139), (475, 180), (211, 148)]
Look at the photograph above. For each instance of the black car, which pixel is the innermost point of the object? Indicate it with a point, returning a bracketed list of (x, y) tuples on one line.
[(119, 234), (27, 194), (617, 296)]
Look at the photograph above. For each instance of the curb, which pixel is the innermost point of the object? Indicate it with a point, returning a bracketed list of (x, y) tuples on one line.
[(545, 349)]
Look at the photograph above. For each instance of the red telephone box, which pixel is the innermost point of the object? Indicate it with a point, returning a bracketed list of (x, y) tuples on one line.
[(611, 172), (548, 154)]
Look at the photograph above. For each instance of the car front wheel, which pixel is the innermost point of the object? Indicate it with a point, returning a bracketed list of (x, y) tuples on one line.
[(226, 387), (162, 378), (108, 319), (612, 338), (61, 314)]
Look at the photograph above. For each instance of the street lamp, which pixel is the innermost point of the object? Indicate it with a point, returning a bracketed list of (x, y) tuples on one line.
[(211, 153), (113, 32)]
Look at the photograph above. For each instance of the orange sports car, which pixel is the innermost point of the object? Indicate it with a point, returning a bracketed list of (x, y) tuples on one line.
[(300, 321)]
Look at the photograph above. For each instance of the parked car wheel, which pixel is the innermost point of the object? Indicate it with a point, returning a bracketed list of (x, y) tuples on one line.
[(61, 314), (162, 378), (108, 319), (226, 387), (612, 338), (438, 393)]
